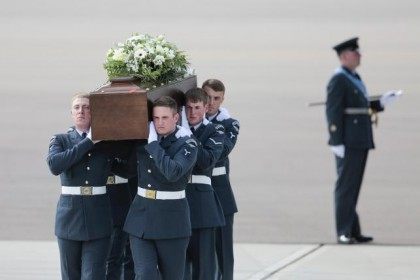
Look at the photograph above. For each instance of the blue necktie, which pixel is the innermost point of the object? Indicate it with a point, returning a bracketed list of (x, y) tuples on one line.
[(84, 135)]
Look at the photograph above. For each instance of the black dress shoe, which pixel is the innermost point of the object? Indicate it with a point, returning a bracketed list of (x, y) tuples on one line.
[(343, 239), (363, 239)]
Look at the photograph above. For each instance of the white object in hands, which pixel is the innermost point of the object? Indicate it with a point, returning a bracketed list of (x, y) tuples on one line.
[(89, 135), (182, 132), (184, 120), (338, 150), (223, 115), (389, 97), (152, 133)]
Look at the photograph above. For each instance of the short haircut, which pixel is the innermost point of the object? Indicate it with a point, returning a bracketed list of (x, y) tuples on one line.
[(197, 95), (214, 84), (166, 101), (80, 95)]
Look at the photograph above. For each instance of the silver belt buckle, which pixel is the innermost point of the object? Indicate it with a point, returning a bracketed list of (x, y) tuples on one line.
[(86, 190)]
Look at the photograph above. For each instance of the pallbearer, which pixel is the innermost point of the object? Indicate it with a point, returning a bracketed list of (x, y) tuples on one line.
[(220, 175), (206, 211), (159, 218), (83, 220)]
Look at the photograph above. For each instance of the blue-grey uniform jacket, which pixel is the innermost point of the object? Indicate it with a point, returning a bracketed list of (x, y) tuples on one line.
[(162, 166), (346, 91), (221, 183), (205, 208), (80, 163)]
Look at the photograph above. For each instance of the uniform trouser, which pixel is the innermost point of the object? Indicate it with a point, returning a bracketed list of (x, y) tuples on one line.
[(164, 257), (118, 262), (224, 249), (350, 170), (201, 255), (128, 263), (84, 260)]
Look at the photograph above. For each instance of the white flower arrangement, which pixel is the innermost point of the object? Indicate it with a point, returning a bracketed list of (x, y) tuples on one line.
[(151, 59)]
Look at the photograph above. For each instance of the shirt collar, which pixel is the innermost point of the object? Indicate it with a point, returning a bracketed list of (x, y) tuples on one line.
[(210, 118), (197, 125), (80, 132)]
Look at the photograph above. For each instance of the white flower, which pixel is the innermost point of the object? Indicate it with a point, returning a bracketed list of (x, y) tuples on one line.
[(159, 49), (150, 49), (138, 46), (159, 59), (120, 55), (140, 53), (133, 66), (137, 37), (170, 54), (190, 71)]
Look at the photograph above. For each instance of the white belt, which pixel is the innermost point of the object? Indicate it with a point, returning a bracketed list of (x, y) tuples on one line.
[(358, 111), (200, 179), (217, 171), (83, 190), (153, 194), (113, 180)]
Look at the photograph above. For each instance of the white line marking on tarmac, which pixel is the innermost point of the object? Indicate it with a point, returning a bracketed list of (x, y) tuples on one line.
[(272, 269)]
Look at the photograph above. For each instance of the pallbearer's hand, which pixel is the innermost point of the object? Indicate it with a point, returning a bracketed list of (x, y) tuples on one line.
[(182, 132), (223, 115), (152, 133), (89, 135), (184, 120), (389, 97), (338, 150)]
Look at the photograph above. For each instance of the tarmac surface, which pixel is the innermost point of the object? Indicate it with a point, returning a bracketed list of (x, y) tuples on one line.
[(24, 260), (274, 56)]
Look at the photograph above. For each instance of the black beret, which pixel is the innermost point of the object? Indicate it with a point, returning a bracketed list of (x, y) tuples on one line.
[(350, 44)]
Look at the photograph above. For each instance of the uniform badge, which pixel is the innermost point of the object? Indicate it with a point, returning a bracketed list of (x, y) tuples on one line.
[(235, 125), (191, 142), (219, 128), (215, 142), (186, 152)]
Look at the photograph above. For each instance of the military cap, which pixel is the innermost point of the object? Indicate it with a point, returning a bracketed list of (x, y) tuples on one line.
[(350, 44)]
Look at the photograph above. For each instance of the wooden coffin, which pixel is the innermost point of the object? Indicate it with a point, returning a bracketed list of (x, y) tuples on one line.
[(120, 109)]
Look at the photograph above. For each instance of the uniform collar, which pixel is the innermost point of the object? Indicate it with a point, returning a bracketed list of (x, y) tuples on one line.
[(210, 118), (353, 73), (168, 139), (197, 126)]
